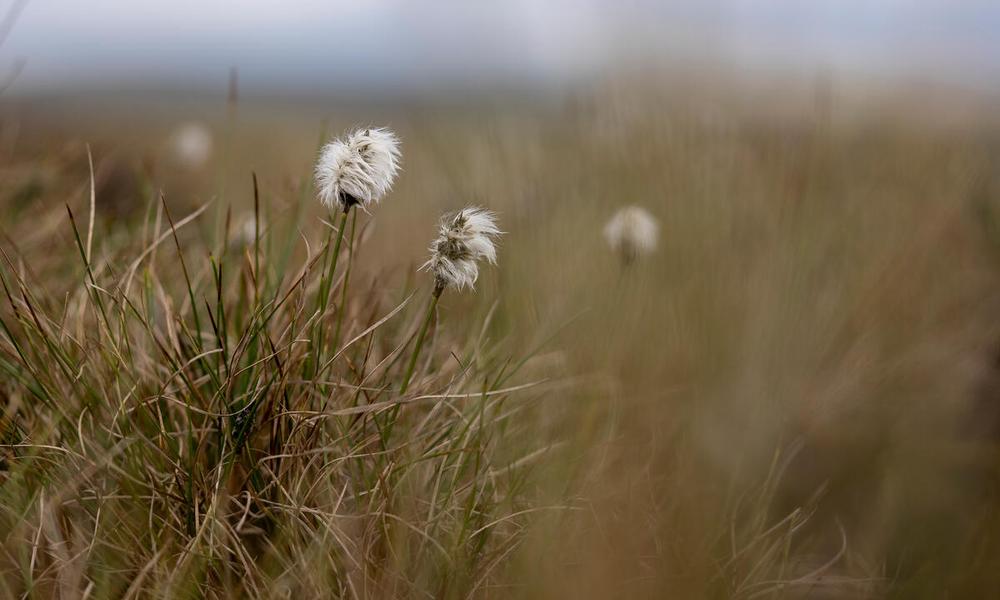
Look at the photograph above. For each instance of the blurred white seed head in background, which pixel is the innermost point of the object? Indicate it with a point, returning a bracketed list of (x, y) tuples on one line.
[(358, 168), (245, 233), (464, 238), (632, 232), (191, 144)]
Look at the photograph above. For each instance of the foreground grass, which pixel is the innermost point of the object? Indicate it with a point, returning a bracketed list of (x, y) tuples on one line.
[(170, 429)]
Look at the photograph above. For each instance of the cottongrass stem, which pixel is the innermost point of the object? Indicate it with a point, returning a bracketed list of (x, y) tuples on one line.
[(632, 233), (431, 306)]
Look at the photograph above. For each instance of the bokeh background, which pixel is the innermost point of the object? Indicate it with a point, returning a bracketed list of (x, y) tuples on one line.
[(797, 395)]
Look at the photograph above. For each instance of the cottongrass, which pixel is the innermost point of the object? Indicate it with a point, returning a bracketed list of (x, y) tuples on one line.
[(246, 231), (632, 233), (358, 169), (464, 238), (191, 145)]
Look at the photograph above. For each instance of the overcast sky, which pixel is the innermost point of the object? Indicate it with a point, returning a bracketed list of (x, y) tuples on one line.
[(330, 45)]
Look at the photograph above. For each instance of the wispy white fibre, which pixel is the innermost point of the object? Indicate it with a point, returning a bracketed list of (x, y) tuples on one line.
[(358, 168), (464, 238), (192, 145), (632, 232)]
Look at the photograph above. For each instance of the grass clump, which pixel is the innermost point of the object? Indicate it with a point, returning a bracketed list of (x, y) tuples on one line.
[(173, 425)]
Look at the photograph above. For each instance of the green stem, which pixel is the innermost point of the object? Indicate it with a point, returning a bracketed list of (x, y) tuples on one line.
[(420, 338), (324, 286), (347, 276)]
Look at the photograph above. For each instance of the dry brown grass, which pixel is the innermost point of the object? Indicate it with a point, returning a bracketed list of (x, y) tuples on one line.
[(795, 397)]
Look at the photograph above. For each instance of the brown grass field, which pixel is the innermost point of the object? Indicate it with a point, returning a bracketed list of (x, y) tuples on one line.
[(796, 396)]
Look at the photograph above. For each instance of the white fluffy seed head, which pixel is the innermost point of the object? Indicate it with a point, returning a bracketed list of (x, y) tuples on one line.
[(245, 233), (191, 145), (464, 238), (632, 232), (358, 168)]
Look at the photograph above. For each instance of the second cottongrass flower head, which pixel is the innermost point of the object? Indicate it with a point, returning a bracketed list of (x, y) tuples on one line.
[(357, 169), (632, 232), (464, 238)]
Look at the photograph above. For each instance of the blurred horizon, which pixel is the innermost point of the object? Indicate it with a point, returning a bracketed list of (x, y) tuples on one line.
[(310, 48)]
